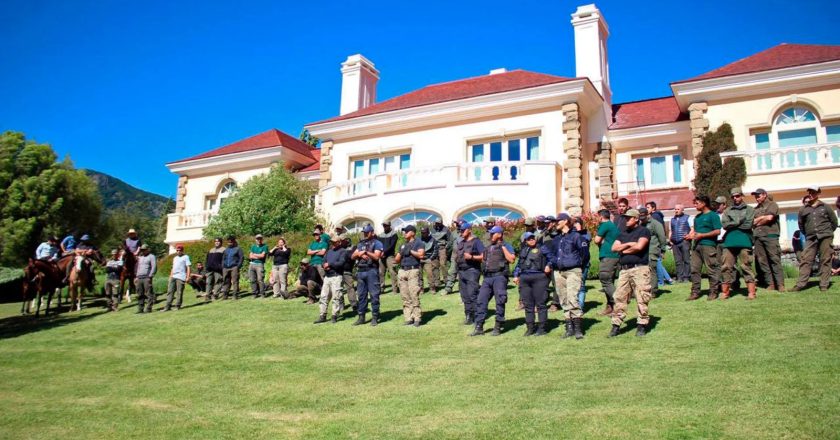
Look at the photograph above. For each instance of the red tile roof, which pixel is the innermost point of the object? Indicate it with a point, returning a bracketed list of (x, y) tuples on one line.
[(778, 57), (454, 90), (315, 166), (647, 112), (266, 139)]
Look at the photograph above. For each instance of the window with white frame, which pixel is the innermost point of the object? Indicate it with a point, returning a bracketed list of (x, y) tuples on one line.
[(660, 171), (371, 166), (213, 203), (794, 127), (526, 148)]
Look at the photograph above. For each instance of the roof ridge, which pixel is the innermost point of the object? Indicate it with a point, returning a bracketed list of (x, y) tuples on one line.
[(645, 100)]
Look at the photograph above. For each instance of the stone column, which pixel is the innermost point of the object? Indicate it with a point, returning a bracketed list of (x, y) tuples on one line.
[(572, 166), (324, 175), (181, 193), (699, 127), (606, 172)]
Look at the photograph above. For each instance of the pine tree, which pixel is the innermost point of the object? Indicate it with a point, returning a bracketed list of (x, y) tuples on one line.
[(714, 178)]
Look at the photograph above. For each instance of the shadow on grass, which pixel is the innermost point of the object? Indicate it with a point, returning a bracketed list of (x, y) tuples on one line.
[(630, 325), (428, 315), (15, 326)]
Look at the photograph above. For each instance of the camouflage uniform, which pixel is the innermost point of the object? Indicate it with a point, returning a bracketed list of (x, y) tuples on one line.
[(818, 222)]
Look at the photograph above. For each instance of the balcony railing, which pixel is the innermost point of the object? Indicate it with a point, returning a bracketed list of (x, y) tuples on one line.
[(198, 219), (789, 158)]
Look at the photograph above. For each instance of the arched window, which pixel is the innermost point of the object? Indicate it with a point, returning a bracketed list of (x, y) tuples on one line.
[(227, 190), (793, 128), (478, 215), (413, 218), (355, 225)]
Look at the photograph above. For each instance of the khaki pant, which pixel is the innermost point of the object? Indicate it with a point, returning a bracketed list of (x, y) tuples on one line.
[(409, 286), (214, 285), (333, 288), (567, 284), (704, 256), (390, 266), (744, 258), (634, 281), (768, 257), (280, 275), (432, 270), (442, 269), (256, 275), (813, 246)]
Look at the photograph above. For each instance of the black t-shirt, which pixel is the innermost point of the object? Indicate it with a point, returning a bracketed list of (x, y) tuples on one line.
[(281, 257), (634, 235)]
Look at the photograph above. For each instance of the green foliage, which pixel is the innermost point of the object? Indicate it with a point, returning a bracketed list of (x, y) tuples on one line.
[(268, 204), (137, 215), (714, 178), (117, 195), (306, 137), (8, 274), (40, 197)]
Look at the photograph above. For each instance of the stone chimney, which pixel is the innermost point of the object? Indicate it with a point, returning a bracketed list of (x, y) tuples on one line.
[(591, 33), (358, 84)]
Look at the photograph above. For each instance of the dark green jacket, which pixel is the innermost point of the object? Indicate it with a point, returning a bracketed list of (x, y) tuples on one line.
[(737, 221), (658, 239), (817, 220)]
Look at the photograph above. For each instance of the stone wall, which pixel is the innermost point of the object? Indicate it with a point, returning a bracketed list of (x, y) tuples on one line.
[(606, 173), (572, 166), (181, 194), (699, 127)]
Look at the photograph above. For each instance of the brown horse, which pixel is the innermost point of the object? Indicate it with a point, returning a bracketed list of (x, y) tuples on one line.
[(81, 277), (43, 278), (128, 273)]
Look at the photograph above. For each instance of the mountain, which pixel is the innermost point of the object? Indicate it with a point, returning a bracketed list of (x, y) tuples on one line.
[(117, 194)]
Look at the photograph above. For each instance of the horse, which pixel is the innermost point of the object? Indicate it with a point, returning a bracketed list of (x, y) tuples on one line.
[(81, 277), (128, 273), (43, 278)]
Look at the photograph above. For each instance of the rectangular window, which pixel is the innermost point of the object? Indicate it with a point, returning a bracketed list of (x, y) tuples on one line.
[(658, 171), (791, 223), (390, 164), (533, 148), (677, 160), (795, 138), (832, 134), (640, 171), (477, 153), (405, 161), (762, 143), (358, 169), (373, 167), (495, 152), (513, 150)]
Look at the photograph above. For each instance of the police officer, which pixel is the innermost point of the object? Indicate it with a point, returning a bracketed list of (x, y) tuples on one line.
[(818, 222), (496, 262), (430, 262), (531, 275), (367, 255), (768, 252), (737, 221), (468, 256), (408, 257), (634, 278), (443, 237), (566, 250)]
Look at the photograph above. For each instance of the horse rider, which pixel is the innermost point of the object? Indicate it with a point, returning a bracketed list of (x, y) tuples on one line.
[(68, 244), (84, 249), (132, 242), (48, 251)]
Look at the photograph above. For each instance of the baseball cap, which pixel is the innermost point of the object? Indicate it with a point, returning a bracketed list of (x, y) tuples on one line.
[(409, 228), (179, 247), (759, 191), (463, 226), (550, 218), (335, 237), (632, 213), (563, 216), (540, 218), (496, 230), (367, 228), (814, 188), (528, 235), (132, 231), (529, 221), (386, 223), (736, 191), (720, 199), (643, 211), (304, 261), (258, 236)]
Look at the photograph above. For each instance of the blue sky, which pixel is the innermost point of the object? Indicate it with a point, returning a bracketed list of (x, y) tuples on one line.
[(124, 88)]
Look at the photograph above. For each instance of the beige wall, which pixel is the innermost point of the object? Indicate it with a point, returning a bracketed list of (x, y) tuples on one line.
[(198, 188)]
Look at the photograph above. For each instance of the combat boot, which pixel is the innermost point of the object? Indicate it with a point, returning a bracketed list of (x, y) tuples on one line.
[(641, 330), (529, 329), (713, 295), (497, 329), (334, 319), (613, 331), (608, 310), (374, 320), (750, 290), (569, 330), (478, 331), (360, 320), (540, 329), (321, 319), (781, 287), (468, 319), (577, 327), (693, 297), (725, 291)]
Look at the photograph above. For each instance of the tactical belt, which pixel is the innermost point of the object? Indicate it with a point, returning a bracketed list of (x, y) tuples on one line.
[(494, 274), (630, 266)]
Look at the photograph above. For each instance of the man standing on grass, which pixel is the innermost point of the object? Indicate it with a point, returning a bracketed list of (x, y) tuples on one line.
[(468, 256), (497, 258), (566, 252), (317, 250), (367, 254), (430, 262), (215, 269), (177, 278), (531, 275), (656, 249), (681, 247), (705, 234), (632, 246), (619, 219), (442, 237), (818, 222), (144, 273), (113, 269), (452, 274), (408, 257), (608, 259), (387, 264), (737, 245), (768, 251), (231, 261), (347, 276), (256, 267), (281, 254), (334, 263)]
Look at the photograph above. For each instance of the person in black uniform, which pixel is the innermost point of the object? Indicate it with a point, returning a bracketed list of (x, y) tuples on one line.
[(367, 254), (468, 256), (531, 275), (497, 258), (388, 264)]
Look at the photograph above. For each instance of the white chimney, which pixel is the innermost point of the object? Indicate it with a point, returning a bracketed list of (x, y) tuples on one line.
[(591, 33), (498, 71), (358, 84)]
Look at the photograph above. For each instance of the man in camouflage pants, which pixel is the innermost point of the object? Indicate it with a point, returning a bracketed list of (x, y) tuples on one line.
[(634, 278)]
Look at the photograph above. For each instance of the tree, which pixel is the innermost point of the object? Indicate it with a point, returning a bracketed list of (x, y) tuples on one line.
[(309, 139), (39, 197), (150, 228), (713, 177), (268, 204)]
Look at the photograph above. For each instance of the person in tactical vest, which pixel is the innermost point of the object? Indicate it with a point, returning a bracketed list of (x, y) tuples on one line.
[(442, 237), (496, 267), (531, 275), (408, 257), (566, 251), (468, 256), (367, 254), (387, 264)]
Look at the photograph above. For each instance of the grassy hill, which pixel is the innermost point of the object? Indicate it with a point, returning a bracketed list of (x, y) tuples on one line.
[(261, 369), (117, 194)]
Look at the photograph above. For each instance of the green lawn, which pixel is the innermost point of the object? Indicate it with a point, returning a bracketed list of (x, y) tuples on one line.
[(260, 369)]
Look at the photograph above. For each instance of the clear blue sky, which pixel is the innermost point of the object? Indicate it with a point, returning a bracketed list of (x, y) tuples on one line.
[(125, 87)]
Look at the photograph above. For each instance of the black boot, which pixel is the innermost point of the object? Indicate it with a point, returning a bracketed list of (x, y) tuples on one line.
[(569, 330), (529, 329), (613, 331), (540, 329), (334, 318), (374, 320), (497, 329), (577, 326), (468, 319), (360, 320), (641, 330), (321, 319), (478, 331)]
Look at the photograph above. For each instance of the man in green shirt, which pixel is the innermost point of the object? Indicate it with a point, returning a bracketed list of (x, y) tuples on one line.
[(737, 221), (608, 267), (657, 246), (818, 222), (317, 250), (256, 267), (768, 252), (704, 252)]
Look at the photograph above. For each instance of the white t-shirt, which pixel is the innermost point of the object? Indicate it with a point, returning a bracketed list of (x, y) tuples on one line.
[(179, 267)]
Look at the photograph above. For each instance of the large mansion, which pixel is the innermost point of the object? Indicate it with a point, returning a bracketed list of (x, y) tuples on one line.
[(512, 144)]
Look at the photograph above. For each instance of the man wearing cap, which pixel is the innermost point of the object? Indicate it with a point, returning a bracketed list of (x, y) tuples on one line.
[(468, 256), (347, 276), (531, 275), (566, 251), (704, 253), (317, 250), (387, 264), (452, 274), (144, 272), (68, 244), (530, 227), (213, 276), (443, 238), (430, 262), (177, 278), (656, 248), (737, 244), (608, 259), (367, 254), (334, 263), (680, 246), (113, 269), (768, 251), (489, 222), (619, 219), (231, 261), (496, 267), (132, 242), (408, 257), (818, 222), (309, 282), (720, 208), (256, 266), (632, 245)]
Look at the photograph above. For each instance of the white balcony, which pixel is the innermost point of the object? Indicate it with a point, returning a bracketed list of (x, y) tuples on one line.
[(805, 157), (187, 226)]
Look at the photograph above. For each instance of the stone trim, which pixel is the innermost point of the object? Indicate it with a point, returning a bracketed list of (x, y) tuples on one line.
[(572, 166), (181, 193), (699, 126), (606, 183)]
